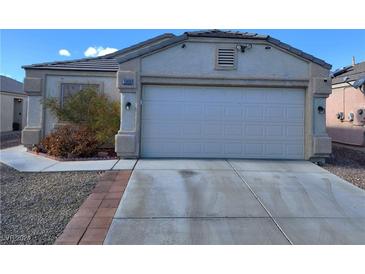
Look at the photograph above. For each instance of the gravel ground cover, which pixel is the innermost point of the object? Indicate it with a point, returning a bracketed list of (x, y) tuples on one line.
[(348, 164), (36, 207)]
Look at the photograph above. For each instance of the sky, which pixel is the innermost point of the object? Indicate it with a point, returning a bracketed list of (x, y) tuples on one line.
[(25, 47)]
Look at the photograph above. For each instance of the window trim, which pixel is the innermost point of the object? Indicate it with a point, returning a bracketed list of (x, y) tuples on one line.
[(99, 84)]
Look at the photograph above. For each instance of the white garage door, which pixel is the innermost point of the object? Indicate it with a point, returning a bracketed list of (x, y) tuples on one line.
[(222, 122)]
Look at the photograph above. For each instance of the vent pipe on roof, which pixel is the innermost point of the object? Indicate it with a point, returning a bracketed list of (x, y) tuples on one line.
[(353, 61)]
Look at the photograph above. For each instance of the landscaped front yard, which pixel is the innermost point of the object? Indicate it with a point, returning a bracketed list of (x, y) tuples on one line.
[(36, 207)]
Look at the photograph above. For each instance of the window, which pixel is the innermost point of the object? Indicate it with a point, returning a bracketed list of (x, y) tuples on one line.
[(68, 89), (226, 58)]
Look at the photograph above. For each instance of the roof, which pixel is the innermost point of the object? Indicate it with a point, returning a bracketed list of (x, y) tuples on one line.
[(224, 34), (103, 63), (10, 85), (110, 62), (352, 73)]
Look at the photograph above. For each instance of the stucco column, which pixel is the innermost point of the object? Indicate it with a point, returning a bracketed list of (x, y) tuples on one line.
[(32, 133), (127, 139), (321, 88)]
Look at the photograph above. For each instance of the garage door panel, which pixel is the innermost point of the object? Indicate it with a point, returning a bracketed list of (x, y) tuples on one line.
[(275, 112), (295, 114), (294, 131), (276, 131), (192, 130), (254, 113), (233, 112), (254, 150), (192, 148), (274, 150), (253, 131), (213, 112), (257, 97), (233, 131), (212, 130), (233, 148), (294, 150), (222, 122), (163, 112), (156, 129), (193, 110)]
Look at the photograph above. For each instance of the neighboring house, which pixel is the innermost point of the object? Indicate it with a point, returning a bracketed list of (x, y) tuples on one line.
[(13, 106), (346, 106), (204, 94)]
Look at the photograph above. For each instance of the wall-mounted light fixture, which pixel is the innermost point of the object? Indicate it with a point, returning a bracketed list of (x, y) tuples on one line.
[(321, 110), (183, 46), (128, 106), (243, 47)]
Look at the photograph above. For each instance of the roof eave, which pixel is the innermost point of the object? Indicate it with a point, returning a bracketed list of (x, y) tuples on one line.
[(151, 49), (73, 69)]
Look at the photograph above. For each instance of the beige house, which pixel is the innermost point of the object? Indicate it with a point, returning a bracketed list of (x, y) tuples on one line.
[(346, 106), (13, 105), (204, 94)]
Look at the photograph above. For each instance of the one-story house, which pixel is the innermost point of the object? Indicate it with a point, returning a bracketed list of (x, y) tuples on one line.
[(346, 105), (202, 94), (13, 107)]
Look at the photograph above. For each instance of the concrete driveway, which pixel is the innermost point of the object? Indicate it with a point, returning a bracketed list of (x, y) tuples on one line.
[(237, 202)]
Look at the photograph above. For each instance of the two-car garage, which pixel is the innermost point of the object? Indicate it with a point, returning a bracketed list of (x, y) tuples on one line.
[(222, 122), (222, 94)]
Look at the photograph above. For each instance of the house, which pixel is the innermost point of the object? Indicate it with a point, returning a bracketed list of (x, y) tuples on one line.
[(346, 106), (203, 94), (13, 102)]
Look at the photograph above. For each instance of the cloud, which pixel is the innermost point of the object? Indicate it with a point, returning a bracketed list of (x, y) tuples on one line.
[(64, 52), (98, 51)]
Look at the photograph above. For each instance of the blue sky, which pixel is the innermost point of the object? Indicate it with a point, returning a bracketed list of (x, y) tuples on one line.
[(24, 47)]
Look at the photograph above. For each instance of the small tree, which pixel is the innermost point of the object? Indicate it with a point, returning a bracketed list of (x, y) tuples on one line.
[(91, 109)]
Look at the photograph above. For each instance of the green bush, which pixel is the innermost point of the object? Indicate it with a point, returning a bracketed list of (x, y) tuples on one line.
[(70, 141), (91, 109)]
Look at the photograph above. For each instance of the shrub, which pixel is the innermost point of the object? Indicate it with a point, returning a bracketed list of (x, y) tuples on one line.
[(91, 109), (70, 141)]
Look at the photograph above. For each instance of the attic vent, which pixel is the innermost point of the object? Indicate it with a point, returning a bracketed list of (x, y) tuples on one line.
[(226, 58)]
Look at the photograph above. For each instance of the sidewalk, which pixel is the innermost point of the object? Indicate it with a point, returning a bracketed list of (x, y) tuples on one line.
[(21, 160)]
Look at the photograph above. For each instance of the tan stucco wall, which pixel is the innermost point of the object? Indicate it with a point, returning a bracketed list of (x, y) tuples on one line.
[(40, 121), (53, 89), (7, 110), (197, 59)]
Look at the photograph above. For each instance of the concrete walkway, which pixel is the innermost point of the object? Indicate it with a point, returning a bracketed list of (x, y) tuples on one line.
[(21, 160), (237, 202)]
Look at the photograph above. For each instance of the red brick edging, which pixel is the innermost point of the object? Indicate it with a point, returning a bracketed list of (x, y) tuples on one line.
[(91, 222)]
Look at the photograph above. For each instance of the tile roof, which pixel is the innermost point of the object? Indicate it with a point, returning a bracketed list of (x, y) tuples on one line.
[(110, 62), (10, 85), (352, 72), (103, 63)]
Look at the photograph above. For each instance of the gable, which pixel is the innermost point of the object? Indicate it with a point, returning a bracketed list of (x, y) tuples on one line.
[(198, 59)]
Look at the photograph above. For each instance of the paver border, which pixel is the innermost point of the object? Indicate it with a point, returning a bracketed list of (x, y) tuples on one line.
[(91, 222)]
